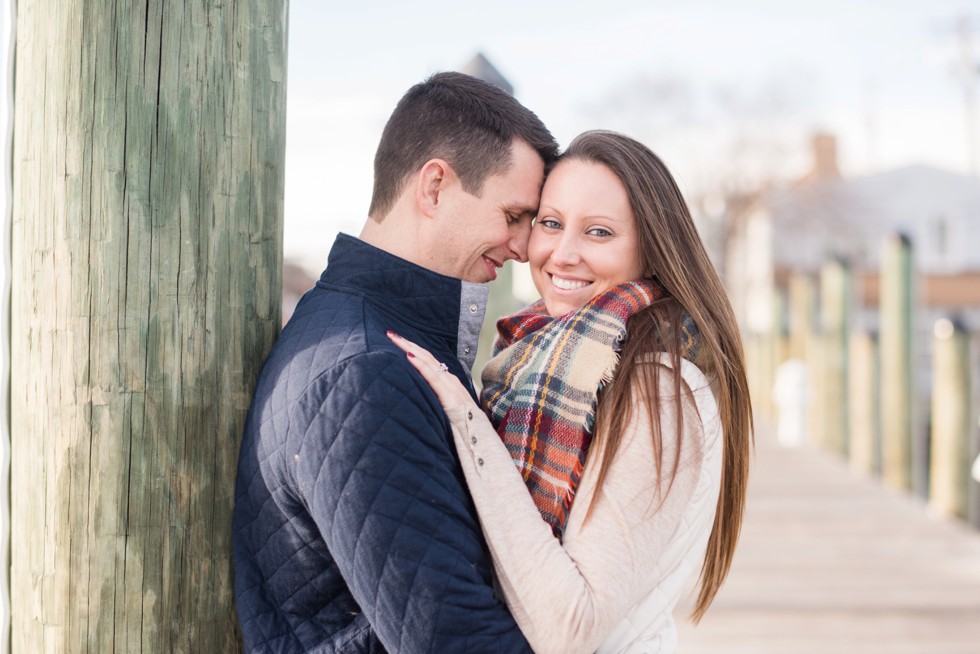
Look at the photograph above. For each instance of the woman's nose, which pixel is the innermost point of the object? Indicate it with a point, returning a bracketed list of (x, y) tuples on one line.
[(566, 252)]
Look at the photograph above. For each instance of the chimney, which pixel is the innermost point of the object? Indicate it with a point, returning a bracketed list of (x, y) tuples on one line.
[(824, 150)]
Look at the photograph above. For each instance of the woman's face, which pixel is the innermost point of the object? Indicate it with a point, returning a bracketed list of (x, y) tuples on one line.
[(584, 240)]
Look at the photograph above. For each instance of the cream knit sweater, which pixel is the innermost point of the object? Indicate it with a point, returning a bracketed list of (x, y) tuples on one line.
[(612, 585)]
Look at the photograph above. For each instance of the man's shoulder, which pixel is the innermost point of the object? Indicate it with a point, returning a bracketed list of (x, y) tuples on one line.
[(324, 314), (334, 338), (343, 383), (333, 318)]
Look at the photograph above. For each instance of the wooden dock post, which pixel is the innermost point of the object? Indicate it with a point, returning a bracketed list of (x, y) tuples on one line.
[(780, 331), (801, 312), (949, 474), (896, 361), (835, 306), (754, 369), (864, 404), (147, 256), (805, 344), (768, 357), (973, 484)]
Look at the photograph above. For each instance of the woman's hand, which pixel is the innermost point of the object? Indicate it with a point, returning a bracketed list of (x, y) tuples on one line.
[(448, 389)]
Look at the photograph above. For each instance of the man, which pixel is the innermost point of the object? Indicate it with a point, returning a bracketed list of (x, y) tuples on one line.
[(353, 530)]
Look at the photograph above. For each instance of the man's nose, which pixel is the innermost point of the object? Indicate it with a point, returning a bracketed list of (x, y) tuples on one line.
[(520, 235)]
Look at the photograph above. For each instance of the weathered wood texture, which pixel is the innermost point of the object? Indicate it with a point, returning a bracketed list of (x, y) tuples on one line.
[(830, 561), (952, 424), (897, 398), (147, 238), (7, 16)]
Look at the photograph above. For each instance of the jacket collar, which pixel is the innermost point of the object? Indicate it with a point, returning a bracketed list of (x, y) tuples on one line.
[(427, 300)]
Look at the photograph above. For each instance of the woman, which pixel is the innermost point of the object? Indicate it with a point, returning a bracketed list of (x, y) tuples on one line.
[(659, 491)]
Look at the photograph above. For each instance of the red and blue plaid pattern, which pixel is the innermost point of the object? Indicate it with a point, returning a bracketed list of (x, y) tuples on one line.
[(540, 388)]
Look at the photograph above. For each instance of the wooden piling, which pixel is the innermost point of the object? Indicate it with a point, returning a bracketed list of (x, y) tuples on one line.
[(835, 306), (950, 459), (973, 485), (864, 404), (896, 361), (147, 239), (779, 329), (801, 314)]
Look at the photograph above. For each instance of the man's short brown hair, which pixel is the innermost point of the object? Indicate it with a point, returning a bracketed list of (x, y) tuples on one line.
[(469, 123)]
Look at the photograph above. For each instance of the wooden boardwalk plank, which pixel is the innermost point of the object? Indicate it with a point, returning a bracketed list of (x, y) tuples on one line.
[(833, 562)]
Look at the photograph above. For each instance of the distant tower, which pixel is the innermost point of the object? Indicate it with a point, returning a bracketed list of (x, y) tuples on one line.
[(481, 68)]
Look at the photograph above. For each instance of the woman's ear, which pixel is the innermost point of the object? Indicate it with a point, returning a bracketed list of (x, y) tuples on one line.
[(431, 182)]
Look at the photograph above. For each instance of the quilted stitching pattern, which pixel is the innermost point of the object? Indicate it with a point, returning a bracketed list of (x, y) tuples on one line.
[(353, 530)]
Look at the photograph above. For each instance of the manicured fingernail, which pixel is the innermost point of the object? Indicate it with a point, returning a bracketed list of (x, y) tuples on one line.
[(410, 355), (391, 333)]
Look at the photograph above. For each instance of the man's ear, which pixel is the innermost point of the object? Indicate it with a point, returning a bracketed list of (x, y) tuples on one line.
[(431, 182)]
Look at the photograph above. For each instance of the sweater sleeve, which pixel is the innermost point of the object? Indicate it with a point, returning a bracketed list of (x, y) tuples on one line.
[(567, 597)]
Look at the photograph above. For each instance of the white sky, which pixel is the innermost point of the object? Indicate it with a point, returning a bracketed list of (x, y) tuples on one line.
[(846, 64), (877, 73)]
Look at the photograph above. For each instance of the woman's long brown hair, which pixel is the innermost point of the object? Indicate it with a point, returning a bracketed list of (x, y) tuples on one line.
[(671, 249)]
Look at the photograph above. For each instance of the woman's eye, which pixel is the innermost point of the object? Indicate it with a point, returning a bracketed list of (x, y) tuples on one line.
[(549, 223), (599, 231)]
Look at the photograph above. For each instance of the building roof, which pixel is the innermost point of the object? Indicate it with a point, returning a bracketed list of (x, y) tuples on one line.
[(850, 218)]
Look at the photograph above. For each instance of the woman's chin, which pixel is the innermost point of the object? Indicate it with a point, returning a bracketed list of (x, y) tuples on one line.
[(556, 309)]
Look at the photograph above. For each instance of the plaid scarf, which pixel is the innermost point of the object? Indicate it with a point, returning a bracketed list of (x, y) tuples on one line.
[(541, 387)]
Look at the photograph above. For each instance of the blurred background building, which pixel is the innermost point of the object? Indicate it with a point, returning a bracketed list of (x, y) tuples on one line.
[(729, 95), (805, 138), (797, 226)]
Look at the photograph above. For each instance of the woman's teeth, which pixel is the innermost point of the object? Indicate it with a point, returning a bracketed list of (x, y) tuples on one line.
[(568, 284)]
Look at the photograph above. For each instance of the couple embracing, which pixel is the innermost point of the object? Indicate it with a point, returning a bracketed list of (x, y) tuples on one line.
[(383, 506)]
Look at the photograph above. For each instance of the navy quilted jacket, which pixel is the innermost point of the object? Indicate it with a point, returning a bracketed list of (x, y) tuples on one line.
[(353, 530)]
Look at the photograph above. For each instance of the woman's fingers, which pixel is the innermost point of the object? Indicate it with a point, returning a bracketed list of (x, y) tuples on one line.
[(448, 389), (419, 356)]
